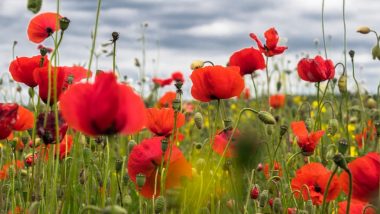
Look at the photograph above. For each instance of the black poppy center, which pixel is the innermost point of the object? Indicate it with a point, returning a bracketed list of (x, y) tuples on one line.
[(49, 31), (317, 188)]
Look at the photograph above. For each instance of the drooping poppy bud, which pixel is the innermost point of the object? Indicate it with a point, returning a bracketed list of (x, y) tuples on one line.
[(342, 146), (64, 23), (363, 30), (196, 64), (340, 161), (266, 117), (376, 52), (255, 191), (159, 204)]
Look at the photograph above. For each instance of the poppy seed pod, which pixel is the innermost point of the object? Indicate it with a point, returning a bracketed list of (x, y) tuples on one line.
[(176, 105), (115, 36), (277, 206), (164, 145), (376, 52), (342, 83), (118, 165), (340, 161), (263, 198), (266, 117), (351, 53), (363, 30), (64, 23), (140, 180), (333, 127), (196, 64), (159, 204), (227, 123), (198, 119), (283, 130), (34, 5)]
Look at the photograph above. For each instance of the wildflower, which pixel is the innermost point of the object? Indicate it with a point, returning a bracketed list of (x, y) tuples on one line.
[(270, 47), (42, 26), (14, 117), (365, 177), (368, 134), (24, 119), (216, 82), (14, 165), (166, 100), (221, 141), (276, 169), (178, 76), (356, 207), (315, 176), (103, 108), (146, 157), (46, 127), (305, 140), (22, 69), (162, 82), (315, 70), (161, 121), (277, 101), (248, 59)]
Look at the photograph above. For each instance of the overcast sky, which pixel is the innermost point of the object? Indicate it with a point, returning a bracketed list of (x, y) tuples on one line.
[(196, 29)]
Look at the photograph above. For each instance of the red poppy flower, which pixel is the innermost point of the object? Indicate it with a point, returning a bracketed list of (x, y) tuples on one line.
[(4, 172), (49, 50), (316, 70), (8, 118), (103, 108), (221, 141), (162, 82), (305, 140), (368, 134), (216, 82), (270, 48), (178, 76), (166, 100), (365, 175), (248, 59), (64, 147), (22, 69), (315, 176), (161, 121), (276, 168), (146, 157), (356, 207), (277, 101), (25, 119), (46, 128), (64, 75), (42, 26)]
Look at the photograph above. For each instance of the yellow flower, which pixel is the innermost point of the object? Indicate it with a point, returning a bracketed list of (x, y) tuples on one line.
[(353, 151), (233, 106), (297, 100)]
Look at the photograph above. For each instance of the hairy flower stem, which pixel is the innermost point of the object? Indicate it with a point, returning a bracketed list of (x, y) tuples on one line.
[(327, 188), (94, 37), (268, 78), (256, 93)]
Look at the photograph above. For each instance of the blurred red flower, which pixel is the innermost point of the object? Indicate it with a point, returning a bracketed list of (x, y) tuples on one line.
[(14, 117), (4, 172), (24, 120), (356, 207), (161, 121), (277, 101), (270, 47), (146, 157), (365, 177), (216, 82), (46, 127), (162, 82), (42, 26), (166, 100), (178, 76), (22, 69), (368, 134), (246, 94), (305, 140), (276, 168), (103, 108), (316, 70), (248, 59), (65, 76), (221, 141), (315, 176)]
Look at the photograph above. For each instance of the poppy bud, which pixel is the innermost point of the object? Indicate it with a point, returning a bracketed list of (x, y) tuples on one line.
[(330, 154), (164, 145), (263, 198), (376, 52), (340, 161), (259, 167), (351, 53), (371, 103), (269, 130), (196, 64), (131, 144), (278, 85), (266, 117), (125, 179), (127, 200), (37, 143), (309, 124), (342, 83), (114, 209), (176, 104), (198, 119), (363, 30), (115, 36), (309, 207), (283, 130), (87, 156), (159, 204), (34, 5), (178, 86), (30, 159), (255, 191), (227, 123), (333, 126), (64, 23), (140, 180), (277, 206), (118, 165)]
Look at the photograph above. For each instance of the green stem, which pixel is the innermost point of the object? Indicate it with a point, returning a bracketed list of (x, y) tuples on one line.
[(327, 188), (267, 73), (349, 191), (94, 37), (323, 28)]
